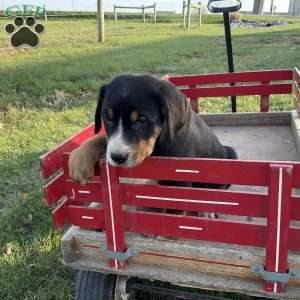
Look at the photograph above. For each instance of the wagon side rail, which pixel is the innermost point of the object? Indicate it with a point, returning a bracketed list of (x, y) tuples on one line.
[(253, 83), (52, 161), (297, 90), (278, 206)]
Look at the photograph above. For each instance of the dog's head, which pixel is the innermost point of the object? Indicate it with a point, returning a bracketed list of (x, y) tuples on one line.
[(137, 110)]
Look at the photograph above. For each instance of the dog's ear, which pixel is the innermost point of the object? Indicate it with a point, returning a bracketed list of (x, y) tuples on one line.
[(174, 108), (98, 121)]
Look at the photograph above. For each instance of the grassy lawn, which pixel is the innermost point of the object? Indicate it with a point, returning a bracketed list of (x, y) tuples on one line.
[(46, 94)]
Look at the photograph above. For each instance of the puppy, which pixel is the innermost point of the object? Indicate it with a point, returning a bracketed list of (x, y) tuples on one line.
[(144, 116)]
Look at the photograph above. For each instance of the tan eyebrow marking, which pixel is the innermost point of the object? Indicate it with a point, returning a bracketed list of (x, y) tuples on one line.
[(134, 116)]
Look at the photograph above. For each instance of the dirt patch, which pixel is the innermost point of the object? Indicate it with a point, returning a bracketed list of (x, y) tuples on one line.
[(195, 54), (253, 24), (10, 50), (62, 100)]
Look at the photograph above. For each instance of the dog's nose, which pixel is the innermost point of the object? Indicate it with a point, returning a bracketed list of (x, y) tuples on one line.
[(119, 158)]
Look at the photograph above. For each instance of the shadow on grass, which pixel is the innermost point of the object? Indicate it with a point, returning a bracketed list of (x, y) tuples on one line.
[(30, 256), (30, 263)]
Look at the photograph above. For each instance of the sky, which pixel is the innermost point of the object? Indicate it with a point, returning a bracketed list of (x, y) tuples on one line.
[(90, 5)]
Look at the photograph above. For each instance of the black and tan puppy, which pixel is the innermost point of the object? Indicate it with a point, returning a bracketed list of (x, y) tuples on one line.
[(144, 116)]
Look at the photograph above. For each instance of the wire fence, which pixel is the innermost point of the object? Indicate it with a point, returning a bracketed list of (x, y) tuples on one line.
[(162, 17)]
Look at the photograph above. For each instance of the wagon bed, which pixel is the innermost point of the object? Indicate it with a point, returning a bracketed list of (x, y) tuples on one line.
[(258, 233)]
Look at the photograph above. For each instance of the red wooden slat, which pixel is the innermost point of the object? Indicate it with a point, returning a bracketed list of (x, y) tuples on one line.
[(245, 90), (297, 75), (112, 212), (280, 188), (193, 101), (297, 89), (86, 217), (54, 190), (201, 170), (52, 162), (194, 105), (240, 172), (296, 172), (197, 228), (297, 95), (88, 192), (192, 199), (60, 214), (264, 103), (294, 239), (295, 213), (264, 100), (252, 76)]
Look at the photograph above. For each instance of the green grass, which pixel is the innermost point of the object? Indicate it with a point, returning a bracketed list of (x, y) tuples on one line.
[(46, 94)]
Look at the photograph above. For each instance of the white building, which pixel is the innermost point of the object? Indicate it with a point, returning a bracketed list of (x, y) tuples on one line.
[(269, 6), (294, 8)]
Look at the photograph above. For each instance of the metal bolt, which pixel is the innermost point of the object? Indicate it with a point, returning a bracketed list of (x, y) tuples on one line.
[(293, 274), (255, 268)]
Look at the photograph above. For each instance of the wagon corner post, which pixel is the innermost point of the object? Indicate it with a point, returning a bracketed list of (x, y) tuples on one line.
[(112, 212), (279, 215)]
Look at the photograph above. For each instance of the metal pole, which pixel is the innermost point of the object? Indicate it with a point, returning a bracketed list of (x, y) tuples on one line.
[(100, 17), (229, 53)]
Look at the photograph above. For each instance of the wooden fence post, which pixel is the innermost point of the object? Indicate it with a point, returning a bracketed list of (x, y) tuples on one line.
[(100, 17), (189, 11), (115, 14), (45, 14), (155, 13), (144, 15)]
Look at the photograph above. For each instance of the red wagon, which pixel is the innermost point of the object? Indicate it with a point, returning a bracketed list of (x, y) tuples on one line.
[(253, 248)]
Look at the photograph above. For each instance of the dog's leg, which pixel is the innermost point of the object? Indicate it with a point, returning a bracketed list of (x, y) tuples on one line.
[(82, 160)]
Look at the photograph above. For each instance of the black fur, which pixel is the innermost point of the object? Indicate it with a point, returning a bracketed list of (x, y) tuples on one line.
[(183, 132), (99, 109)]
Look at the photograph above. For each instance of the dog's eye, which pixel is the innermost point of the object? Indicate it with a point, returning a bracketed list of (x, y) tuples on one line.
[(141, 120), (140, 123)]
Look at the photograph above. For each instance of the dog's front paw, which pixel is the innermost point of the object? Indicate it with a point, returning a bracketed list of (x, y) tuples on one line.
[(81, 166)]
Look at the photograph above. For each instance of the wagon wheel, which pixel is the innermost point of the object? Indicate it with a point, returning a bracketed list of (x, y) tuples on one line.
[(98, 286)]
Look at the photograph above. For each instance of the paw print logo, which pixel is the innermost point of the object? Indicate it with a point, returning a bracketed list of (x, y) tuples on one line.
[(24, 32)]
